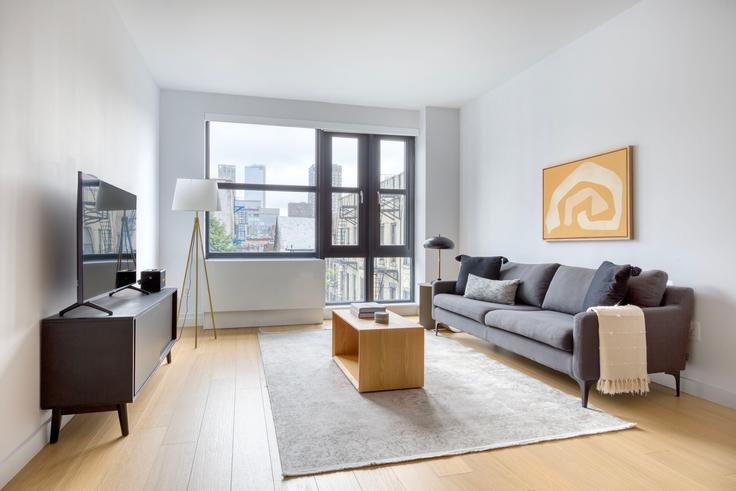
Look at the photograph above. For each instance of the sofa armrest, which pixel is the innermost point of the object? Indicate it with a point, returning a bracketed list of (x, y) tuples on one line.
[(667, 328), (443, 286)]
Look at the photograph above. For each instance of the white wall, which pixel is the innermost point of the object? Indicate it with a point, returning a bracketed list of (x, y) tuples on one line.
[(437, 187), (74, 95), (182, 154), (661, 77)]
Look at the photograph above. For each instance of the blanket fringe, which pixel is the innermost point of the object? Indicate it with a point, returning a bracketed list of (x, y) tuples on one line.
[(624, 386)]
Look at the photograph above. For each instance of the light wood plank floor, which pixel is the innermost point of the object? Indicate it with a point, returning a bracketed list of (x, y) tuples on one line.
[(204, 422)]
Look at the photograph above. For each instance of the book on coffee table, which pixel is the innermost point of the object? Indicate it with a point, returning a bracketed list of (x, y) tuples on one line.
[(365, 310)]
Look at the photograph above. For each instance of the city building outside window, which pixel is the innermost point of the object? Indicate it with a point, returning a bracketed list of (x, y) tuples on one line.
[(303, 192)]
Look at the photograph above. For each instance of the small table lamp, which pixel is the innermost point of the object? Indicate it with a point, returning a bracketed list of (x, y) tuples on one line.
[(196, 195), (439, 243)]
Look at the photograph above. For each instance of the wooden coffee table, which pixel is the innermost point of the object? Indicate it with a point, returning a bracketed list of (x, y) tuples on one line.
[(377, 356)]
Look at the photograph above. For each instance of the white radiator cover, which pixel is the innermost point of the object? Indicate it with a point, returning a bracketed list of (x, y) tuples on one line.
[(265, 292)]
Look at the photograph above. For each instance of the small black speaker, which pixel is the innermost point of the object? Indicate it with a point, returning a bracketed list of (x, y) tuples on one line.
[(124, 277), (153, 280)]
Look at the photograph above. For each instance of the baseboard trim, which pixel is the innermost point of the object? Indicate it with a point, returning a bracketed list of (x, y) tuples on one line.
[(698, 389), (257, 318), (12, 463)]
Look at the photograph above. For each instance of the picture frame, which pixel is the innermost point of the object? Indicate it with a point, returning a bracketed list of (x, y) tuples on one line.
[(589, 198)]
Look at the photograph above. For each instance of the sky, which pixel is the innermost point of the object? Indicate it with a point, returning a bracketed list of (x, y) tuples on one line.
[(287, 153)]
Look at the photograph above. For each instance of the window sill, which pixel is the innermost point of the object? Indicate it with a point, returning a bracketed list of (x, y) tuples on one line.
[(261, 259)]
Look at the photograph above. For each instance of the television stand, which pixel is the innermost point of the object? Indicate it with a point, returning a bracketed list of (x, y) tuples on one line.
[(93, 362), (91, 305), (129, 287)]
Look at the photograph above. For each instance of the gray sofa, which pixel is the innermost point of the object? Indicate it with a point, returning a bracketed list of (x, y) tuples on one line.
[(545, 323)]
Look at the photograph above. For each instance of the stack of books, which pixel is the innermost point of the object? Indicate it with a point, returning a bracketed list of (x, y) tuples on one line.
[(366, 310)]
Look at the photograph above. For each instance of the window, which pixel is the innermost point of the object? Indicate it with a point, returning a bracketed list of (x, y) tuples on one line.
[(267, 187), (301, 192)]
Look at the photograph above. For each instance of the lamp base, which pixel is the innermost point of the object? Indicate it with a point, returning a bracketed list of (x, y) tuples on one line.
[(196, 245)]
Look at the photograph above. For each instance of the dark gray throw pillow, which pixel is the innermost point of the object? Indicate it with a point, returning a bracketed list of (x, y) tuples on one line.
[(567, 289), (608, 286), (647, 289), (485, 267), (535, 280)]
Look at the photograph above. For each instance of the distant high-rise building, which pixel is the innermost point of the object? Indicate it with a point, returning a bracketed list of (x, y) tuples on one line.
[(226, 172), (255, 174), (300, 209), (336, 175), (336, 182)]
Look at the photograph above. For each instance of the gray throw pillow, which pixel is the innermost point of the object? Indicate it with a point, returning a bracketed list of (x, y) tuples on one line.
[(496, 291), (647, 289), (567, 290), (535, 280)]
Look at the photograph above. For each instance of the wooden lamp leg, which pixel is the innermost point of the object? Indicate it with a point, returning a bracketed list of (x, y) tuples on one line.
[(207, 281), (196, 278), (184, 281)]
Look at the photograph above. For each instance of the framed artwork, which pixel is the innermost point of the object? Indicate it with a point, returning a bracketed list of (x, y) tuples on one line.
[(588, 199)]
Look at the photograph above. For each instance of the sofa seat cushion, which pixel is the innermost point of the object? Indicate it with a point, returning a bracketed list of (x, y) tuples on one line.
[(546, 326), (473, 309)]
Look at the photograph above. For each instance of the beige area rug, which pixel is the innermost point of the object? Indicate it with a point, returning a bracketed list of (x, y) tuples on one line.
[(469, 403)]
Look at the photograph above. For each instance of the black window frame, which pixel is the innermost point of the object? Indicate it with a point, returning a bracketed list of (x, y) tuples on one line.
[(369, 167), (263, 187), (369, 179)]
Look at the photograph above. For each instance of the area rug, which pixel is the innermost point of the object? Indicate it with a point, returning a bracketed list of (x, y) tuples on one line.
[(469, 403)]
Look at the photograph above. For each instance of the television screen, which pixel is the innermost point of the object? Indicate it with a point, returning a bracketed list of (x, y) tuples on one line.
[(107, 241)]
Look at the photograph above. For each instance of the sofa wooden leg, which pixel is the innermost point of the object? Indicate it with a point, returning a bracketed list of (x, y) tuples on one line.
[(585, 386), (677, 381)]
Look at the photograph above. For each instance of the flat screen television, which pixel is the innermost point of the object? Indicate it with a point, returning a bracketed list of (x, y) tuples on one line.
[(106, 239)]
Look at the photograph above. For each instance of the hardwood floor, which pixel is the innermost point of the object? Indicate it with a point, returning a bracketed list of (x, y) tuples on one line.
[(204, 422)]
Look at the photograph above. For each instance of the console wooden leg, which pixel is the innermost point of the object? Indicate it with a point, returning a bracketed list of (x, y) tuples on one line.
[(168, 358), (55, 425), (123, 416), (677, 381)]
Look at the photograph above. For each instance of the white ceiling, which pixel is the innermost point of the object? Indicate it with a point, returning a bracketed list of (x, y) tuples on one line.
[(400, 53)]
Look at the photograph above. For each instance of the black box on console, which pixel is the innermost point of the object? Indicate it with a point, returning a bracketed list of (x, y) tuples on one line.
[(153, 280), (124, 277)]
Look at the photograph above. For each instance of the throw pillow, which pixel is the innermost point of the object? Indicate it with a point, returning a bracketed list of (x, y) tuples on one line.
[(485, 267), (567, 289), (609, 285), (647, 289), (535, 280), (496, 291)]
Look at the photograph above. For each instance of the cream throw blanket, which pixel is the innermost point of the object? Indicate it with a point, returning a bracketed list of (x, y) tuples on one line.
[(623, 350)]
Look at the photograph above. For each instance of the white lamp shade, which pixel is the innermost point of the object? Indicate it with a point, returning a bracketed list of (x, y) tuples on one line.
[(195, 195)]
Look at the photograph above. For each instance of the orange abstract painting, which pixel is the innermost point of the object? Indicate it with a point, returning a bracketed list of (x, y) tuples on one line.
[(589, 198)]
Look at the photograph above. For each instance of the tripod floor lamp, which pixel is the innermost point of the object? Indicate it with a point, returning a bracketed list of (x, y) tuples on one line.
[(197, 195)]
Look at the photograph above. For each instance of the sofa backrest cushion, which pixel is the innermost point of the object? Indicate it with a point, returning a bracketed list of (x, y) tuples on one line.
[(485, 267), (647, 289), (608, 286), (535, 280), (567, 290)]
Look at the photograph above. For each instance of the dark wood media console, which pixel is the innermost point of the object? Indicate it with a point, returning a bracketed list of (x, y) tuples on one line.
[(94, 362)]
